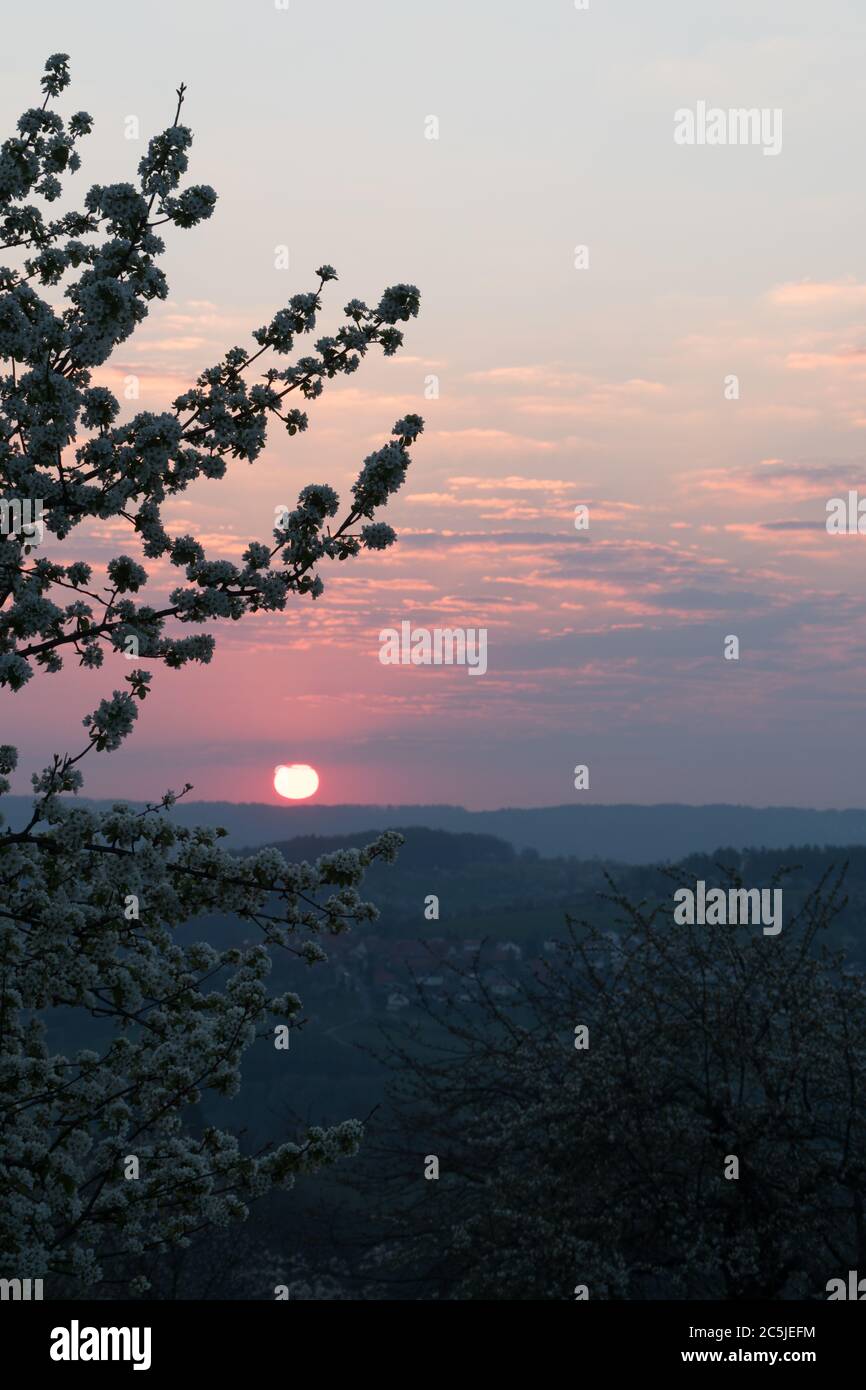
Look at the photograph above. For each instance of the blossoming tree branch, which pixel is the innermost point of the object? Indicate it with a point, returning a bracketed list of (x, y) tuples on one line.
[(90, 901)]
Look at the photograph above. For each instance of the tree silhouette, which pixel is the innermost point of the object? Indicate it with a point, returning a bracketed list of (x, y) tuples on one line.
[(602, 1158)]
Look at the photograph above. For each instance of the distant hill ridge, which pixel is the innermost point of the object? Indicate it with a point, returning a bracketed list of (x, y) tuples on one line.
[(422, 848), (628, 833)]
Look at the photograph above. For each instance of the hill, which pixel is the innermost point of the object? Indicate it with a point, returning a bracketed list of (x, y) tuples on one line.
[(626, 833)]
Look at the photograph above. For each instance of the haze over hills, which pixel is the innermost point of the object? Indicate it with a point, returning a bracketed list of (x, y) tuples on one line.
[(627, 833)]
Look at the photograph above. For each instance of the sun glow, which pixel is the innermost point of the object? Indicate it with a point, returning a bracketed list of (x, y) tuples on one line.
[(296, 782)]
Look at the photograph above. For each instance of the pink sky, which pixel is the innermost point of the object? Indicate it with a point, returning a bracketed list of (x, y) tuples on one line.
[(556, 387), (617, 629)]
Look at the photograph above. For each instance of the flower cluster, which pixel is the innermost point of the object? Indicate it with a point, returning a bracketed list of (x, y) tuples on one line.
[(93, 903), (62, 444)]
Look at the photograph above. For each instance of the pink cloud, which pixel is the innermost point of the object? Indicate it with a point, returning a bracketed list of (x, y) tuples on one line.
[(852, 358), (807, 294), (492, 440)]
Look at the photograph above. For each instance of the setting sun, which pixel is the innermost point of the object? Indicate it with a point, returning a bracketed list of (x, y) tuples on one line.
[(296, 782)]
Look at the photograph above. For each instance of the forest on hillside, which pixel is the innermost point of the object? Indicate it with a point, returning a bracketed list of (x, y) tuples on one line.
[(455, 1037)]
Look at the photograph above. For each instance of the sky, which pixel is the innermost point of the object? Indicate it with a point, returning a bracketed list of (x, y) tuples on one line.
[(560, 383)]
